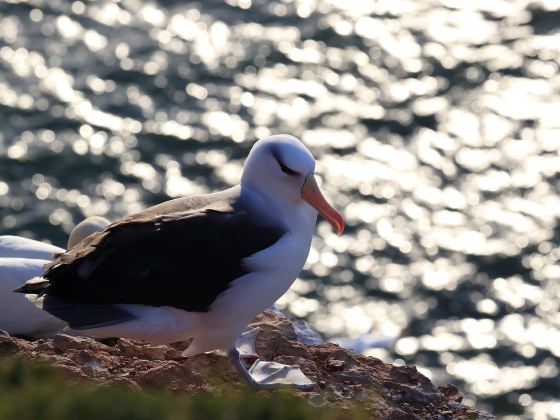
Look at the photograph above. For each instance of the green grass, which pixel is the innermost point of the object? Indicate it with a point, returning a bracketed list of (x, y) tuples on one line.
[(36, 391)]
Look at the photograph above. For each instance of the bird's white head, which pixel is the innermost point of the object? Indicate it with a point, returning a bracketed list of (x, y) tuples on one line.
[(85, 228), (282, 166)]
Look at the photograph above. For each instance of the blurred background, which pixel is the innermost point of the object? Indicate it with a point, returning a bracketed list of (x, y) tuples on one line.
[(435, 123)]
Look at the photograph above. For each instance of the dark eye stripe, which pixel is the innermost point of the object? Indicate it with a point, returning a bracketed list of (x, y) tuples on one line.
[(284, 168), (287, 170)]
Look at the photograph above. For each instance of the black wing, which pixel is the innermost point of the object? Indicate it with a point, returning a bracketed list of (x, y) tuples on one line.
[(183, 261)]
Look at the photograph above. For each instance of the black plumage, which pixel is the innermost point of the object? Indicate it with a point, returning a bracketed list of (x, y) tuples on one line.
[(182, 253)]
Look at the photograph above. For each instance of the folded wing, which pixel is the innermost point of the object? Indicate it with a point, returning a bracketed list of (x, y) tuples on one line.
[(183, 260)]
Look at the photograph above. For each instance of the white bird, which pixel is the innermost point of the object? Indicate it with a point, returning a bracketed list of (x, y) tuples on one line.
[(199, 267), (22, 259)]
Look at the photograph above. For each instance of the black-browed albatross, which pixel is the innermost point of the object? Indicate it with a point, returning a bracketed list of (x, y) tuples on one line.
[(21, 259), (198, 267)]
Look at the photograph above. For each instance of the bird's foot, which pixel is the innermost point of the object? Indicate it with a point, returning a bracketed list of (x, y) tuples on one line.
[(270, 375)]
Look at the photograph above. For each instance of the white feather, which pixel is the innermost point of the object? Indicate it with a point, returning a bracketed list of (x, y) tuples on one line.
[(18, 247), (22, 259), (19, 316)]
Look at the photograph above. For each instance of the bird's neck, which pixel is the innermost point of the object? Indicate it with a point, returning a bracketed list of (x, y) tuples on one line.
[(298, 218)]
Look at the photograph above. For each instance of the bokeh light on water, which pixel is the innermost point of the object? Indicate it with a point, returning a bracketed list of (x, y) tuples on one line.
[(436, 129)]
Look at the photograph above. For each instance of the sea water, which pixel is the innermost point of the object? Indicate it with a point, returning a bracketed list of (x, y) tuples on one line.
[(436, 126)]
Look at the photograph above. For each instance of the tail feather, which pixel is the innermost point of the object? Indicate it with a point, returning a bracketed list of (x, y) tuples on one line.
[(83, 316), (35, 286)]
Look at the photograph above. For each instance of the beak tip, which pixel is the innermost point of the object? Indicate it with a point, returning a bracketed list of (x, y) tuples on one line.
[(336, 220), (340, 227)]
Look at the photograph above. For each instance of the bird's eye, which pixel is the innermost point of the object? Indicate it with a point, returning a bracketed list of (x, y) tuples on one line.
[(287, 170)]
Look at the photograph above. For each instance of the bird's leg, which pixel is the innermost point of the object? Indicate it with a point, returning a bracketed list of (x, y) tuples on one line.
[(233, 354), (246, 344)]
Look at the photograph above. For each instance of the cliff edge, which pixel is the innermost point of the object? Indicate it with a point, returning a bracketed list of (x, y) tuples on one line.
[(342, 377)]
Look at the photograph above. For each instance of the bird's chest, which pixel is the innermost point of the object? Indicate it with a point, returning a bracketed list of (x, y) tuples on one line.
[(284, 259), (272, 272)]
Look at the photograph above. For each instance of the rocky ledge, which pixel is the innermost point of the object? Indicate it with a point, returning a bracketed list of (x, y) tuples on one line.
[(342, 377)]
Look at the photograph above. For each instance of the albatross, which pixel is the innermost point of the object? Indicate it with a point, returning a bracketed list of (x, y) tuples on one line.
[(22, 259), (199, 267)]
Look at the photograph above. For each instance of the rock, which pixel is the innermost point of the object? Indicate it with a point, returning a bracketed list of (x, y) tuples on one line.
[(327, 351), (334, 364), (456, 406), (342, 377), (171, 375), (451, 392), (398, 414), (130, 348), (305, 334)]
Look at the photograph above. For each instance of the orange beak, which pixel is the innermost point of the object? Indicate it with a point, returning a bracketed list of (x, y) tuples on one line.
[(312, 195)]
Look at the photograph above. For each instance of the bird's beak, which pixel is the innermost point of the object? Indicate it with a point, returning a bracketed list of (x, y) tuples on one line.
[(312, 195)]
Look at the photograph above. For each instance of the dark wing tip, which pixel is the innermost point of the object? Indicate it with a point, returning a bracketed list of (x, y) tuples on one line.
[(35, 286)]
